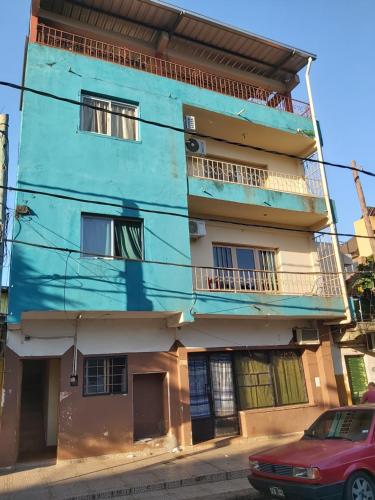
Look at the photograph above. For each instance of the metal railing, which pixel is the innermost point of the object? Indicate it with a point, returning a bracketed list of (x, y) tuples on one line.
[(217, 170), (120, 55), (212, 279)]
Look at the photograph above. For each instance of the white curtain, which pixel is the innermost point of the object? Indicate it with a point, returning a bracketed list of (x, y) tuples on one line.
[(123, 127), (222, 385), (95, 120)]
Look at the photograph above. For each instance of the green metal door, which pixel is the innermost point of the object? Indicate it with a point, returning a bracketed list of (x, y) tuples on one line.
[(355, 367)]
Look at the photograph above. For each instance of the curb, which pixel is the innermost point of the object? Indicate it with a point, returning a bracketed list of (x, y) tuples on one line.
[(166, 485)]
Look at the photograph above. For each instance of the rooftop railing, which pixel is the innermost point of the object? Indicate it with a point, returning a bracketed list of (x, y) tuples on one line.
[(53, 37), (211, 279), (208, 168)]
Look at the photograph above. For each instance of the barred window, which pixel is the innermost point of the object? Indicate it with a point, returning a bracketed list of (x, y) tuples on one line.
[(106, 375)]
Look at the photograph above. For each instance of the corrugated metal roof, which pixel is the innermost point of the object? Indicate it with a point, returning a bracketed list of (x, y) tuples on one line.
[(144, 19)]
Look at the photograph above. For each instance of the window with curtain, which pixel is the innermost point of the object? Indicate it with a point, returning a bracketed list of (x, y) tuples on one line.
[(269, 378), (257, 268), (111, 237), (105, 375), (119, 125)]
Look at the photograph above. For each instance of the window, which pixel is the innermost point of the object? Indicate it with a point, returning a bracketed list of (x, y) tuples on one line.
[(101, 122), (251, 268), (111, 237), (105, 376), (269, 378)]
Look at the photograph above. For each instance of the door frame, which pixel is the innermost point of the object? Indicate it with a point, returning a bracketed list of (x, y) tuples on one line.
[(166, 398), (207, 355)]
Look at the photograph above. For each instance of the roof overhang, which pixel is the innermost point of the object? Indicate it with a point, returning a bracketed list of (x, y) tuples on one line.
[(213, 40)]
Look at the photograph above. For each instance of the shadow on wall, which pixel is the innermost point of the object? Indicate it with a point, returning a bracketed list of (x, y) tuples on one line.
[(73, 283)]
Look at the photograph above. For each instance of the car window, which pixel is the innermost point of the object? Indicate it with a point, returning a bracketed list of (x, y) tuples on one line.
[(341, 424)]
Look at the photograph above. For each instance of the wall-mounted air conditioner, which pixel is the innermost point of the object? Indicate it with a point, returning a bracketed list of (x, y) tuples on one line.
[(306, 336), (189, 122), (197, 229), (196, 146), (370, 338)]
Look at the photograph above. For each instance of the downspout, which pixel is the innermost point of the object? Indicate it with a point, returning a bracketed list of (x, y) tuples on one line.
[(74, 374), (331, 220)]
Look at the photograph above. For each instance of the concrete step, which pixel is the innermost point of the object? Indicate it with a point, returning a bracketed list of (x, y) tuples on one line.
[(168, 487)]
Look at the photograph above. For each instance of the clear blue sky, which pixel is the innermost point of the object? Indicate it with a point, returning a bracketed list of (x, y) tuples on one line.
[(340, 32)]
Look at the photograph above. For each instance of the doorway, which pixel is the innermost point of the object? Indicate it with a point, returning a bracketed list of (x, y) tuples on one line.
[(213, 405), (150, 403), (355, 367), (39, 409)]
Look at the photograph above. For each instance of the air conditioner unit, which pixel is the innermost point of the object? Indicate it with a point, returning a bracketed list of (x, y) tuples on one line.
[(370, 338), (189, 122), (306, 336), (196, 146), (197, 229)]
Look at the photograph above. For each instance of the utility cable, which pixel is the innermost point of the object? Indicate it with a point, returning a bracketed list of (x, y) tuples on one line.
[(163, 263), (176, 214), (23, 88)]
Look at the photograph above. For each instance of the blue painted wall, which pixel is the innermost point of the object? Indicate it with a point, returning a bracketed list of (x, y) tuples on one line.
[(149, 174)]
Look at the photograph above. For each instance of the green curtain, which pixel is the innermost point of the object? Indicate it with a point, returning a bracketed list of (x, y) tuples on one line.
[(289, 378), (128, 239), (253, 380)]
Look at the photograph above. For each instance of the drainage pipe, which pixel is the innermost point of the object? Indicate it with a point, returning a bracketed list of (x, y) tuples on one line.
[(331, 220)]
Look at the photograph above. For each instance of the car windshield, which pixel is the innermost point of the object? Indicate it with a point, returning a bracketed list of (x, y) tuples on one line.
[(342, 424)]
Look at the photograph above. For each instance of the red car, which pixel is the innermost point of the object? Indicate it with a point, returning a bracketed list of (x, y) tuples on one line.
[(335, 459)]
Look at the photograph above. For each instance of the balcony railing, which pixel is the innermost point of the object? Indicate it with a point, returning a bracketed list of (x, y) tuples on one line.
[(217, 170), (212, 279), (120, 55)]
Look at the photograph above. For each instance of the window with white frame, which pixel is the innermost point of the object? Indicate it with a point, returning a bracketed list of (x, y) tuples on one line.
[(103, 122), (103, 236), (105, 375), (244, 268)]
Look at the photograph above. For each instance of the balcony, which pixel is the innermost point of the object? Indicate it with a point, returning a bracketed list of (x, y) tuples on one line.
[(267, 282), (228, 172), (56, 38)]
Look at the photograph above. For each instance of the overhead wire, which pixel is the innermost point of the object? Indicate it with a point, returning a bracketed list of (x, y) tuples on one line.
[(159, 262), (177, 214), (75, 102)]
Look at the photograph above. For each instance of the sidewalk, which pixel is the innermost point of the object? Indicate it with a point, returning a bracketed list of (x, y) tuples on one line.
[(163, 474)]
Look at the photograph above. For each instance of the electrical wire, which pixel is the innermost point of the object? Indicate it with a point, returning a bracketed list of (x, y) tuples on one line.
[(162, 263), (23, 88), (176, 214)]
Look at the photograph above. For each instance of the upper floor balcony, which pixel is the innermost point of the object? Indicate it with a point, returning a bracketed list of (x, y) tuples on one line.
[(203, 167), (195, 76)]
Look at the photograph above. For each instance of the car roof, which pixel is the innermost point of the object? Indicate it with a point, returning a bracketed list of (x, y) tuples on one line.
[(365, 406)]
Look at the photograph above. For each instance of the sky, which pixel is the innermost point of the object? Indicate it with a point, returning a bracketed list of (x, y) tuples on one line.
[(340, 32)]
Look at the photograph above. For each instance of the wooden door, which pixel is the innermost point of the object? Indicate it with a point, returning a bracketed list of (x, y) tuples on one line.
[(355, 367)]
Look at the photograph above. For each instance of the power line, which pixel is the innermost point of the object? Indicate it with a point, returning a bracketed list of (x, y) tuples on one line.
[(179, 129), (163, 263), (176, 214)]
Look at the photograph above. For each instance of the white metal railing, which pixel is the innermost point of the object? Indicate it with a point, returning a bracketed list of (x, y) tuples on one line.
[(218, 170), (213, 279)]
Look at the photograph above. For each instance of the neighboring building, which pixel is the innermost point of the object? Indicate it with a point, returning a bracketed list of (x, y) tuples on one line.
[(359, 248), (104, 353)]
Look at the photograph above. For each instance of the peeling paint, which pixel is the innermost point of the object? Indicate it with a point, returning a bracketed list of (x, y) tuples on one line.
[(64, 395)]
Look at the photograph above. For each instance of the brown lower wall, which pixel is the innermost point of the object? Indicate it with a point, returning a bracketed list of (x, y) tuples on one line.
[(11, 400), (96, 425), (276, 421)]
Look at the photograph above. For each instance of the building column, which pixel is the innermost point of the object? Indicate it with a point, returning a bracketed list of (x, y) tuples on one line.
[(10, 405)]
